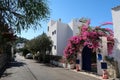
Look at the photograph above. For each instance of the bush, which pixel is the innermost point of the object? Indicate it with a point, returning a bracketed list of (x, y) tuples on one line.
[(47, 58), (25, 51), (39, 57), (55, 57)]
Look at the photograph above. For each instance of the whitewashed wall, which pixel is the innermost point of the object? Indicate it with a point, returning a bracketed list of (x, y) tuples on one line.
[(63, 34), (103, 52), (116, 28), (74, 25), (52, 27)]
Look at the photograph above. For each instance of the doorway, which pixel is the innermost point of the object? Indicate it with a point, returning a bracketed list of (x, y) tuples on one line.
[(89, 61), (86, 58)]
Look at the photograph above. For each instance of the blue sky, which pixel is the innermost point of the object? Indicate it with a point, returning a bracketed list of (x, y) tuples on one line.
[(98, 11)]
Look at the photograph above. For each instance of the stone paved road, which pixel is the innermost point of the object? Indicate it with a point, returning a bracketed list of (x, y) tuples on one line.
[(24, 69)]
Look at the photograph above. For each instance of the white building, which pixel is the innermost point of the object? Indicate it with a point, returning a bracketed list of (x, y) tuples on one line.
[(60, 33), (116, 27), (75, 25), (20, 45)]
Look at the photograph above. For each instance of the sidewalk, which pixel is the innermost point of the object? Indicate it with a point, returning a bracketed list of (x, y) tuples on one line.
[(92, 75), (83, 72), (17, 70)]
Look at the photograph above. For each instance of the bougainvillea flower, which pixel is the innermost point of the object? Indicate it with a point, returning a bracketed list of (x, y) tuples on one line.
[(106, 23), (89, 37)]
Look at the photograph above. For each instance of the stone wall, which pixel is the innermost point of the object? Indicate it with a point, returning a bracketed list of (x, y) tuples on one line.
[(119, 68), (113, 68), (3, 60)]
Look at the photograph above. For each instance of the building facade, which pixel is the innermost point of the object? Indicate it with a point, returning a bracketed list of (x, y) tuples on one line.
[(60, 32), (20, 45), (116, 28)]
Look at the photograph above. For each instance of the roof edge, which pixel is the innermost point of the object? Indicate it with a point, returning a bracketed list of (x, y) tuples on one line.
[(116, 8)]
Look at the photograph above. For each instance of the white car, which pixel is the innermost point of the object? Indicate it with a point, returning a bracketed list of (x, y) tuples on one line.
[(29, 56)]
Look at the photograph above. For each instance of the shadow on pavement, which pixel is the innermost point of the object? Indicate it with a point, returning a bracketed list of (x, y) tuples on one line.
[(15, 64), (49, 65), (46, 64), (4, 73)]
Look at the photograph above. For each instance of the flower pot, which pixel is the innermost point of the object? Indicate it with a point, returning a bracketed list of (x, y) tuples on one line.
[(72, 66), (65, 65)]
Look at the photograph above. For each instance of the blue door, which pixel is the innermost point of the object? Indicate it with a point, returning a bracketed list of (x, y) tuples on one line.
[(86, 58)]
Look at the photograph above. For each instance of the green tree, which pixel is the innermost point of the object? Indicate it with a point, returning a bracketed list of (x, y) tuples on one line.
[(20, 40), (6, 36), (42, 44), (22, 14), (32, 45)]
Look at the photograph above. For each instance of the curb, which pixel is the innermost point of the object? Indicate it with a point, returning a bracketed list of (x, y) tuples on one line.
[(88, 74), (92, 75)]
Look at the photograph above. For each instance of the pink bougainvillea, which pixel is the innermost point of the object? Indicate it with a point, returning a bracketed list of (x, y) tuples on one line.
[(106, 23), (89, 36)]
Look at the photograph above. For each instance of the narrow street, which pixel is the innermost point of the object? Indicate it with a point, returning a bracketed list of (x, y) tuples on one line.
[(25, 69)]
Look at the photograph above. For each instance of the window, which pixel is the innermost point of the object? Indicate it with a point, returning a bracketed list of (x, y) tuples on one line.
[(54, 46), (54, 32), (48, 28)]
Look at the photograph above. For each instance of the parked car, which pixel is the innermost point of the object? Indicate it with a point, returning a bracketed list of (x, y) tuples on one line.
[(29, 56)]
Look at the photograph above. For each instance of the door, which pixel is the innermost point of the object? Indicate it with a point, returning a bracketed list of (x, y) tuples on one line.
[(86, 58)]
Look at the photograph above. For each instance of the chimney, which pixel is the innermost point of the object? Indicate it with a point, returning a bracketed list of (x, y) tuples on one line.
[(59, 20)]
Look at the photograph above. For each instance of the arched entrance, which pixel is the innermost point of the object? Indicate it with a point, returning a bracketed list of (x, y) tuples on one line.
[(86, 58)]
